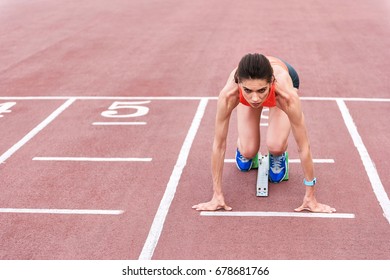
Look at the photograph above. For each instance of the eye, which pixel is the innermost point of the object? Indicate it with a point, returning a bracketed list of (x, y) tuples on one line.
[(247, 90), (262, 90)]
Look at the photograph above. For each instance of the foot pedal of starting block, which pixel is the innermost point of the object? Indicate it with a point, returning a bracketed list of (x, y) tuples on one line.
[(262, 176)]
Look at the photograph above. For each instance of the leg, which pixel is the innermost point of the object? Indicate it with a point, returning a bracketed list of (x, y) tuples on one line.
[(277, 141), (278, 131), (248, 143)]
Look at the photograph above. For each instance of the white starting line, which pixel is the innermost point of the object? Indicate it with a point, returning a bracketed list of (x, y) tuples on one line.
[(61, 211), (278, 214), (318, 160), (119, 123), (92, 159)]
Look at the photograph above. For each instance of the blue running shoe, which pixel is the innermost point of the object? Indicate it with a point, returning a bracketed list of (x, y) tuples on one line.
[(278, 168), (243, 164)]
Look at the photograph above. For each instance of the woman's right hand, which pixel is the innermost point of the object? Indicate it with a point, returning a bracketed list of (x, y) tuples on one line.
[(216, 203)]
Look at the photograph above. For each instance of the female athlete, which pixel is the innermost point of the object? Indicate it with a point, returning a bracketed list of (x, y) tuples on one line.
[(262, 81)]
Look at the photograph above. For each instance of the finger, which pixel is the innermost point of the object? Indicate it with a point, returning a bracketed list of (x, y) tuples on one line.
[(199, 207), (331, 209), (302, 208), (320, 209), (205, 207), (326, 209)]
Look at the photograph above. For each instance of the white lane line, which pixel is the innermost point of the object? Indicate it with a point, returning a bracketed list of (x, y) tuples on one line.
[(36, 130), (318, 160), (168, 98), (61, 211), (356, 99), (369, 165), (92, 159), (174, 98), (278, 214), (159, 219), (119, 123)]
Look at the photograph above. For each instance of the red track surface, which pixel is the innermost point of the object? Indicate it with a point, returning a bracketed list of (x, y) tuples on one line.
[(110, 50)]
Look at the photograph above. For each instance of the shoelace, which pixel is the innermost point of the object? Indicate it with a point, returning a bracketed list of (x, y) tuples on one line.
[(243, 159), (276, 162)]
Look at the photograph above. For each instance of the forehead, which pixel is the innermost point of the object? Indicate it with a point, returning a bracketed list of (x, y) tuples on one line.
[(254, 83)]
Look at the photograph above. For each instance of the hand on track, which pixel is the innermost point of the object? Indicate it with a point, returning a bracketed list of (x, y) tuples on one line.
[(314, 206), (216, 203)]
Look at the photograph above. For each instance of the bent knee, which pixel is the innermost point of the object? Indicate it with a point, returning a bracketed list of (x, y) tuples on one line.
[(249, 152), (277, 148)]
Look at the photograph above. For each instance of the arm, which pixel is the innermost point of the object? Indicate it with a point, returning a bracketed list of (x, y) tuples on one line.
[(288, 100), (290, 103), (224, 109), (228, 99)]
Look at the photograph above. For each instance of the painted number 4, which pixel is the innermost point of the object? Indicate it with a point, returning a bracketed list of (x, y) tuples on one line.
[(5, 108), (134, 106)]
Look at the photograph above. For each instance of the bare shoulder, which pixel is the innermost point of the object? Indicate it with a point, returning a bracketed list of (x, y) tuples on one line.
[(285, 90), (229, 95), (287, 97), (282, 77), (231, 87)]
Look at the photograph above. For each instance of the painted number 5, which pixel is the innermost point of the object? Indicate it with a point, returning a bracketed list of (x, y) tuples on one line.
[(113, 110)]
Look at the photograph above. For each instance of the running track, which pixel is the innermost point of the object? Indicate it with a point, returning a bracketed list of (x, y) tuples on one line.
[(107, 112)]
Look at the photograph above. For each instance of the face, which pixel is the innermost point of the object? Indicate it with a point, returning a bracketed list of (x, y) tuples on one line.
[(255, 91)]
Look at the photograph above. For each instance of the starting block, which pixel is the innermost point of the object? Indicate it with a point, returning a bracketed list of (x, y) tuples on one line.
[(262, 176)]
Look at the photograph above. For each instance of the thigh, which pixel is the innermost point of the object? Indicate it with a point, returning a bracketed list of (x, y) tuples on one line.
[(248, 121), (279, 128)]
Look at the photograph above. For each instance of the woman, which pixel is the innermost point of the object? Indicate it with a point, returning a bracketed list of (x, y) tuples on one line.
[(258, 82)]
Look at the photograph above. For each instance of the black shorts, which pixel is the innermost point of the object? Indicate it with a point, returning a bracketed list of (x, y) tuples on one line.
[(293, 74)]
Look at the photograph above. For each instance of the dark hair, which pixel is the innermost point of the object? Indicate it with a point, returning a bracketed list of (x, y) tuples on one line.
[(254, 66)]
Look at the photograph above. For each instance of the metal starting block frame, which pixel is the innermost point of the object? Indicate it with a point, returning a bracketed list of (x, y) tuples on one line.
[(262, 176)]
